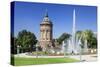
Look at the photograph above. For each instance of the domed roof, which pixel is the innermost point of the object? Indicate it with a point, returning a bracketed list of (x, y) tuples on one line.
[(46, 19)]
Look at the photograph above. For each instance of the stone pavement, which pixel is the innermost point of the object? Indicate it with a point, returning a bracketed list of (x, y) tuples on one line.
[(92, 57)]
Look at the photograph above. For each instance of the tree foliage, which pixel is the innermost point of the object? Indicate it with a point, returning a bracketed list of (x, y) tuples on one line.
[(26, 40), (63, 37), (89, 36), (13, 45)]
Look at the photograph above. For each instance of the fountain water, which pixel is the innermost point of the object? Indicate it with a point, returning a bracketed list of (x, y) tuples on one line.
[(85, 46), (69, 46), (64, 46), (73, 44)]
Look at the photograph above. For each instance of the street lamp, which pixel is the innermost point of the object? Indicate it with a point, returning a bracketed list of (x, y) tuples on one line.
[(37, 45), (18, 49), (80, 44), (64, 51), (81, 52), (64, 46)]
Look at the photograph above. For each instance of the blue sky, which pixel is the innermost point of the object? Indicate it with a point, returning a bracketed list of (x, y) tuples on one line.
[(29, 15)]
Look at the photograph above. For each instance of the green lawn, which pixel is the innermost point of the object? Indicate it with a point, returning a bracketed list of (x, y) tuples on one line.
[(35, 61)]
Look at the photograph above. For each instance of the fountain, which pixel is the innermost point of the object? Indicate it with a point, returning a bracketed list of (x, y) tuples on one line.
[(69, 46), (72, 45), (64, 46), (73, 32), (85, 50)]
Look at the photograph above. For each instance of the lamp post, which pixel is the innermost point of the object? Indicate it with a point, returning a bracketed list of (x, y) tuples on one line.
[(18, 49), (80, 44), (81, 52), (65, 45), (37, 50), (64, 51)]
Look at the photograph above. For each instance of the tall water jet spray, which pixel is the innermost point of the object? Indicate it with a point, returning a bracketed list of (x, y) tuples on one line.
[(72, 43), (73, 32)]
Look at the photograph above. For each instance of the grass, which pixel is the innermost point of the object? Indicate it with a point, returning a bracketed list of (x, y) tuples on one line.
[(18, 61)]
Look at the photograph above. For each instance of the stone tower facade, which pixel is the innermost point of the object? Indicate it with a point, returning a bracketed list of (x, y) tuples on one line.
[(46, 33)]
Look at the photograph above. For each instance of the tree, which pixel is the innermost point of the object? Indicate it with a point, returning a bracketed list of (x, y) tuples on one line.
[(63, 37), (26, 40), (13, 44), (78, 34), (93, 42), (89, 36)]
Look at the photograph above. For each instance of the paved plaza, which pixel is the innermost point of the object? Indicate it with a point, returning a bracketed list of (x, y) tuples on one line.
[(92, 57)]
